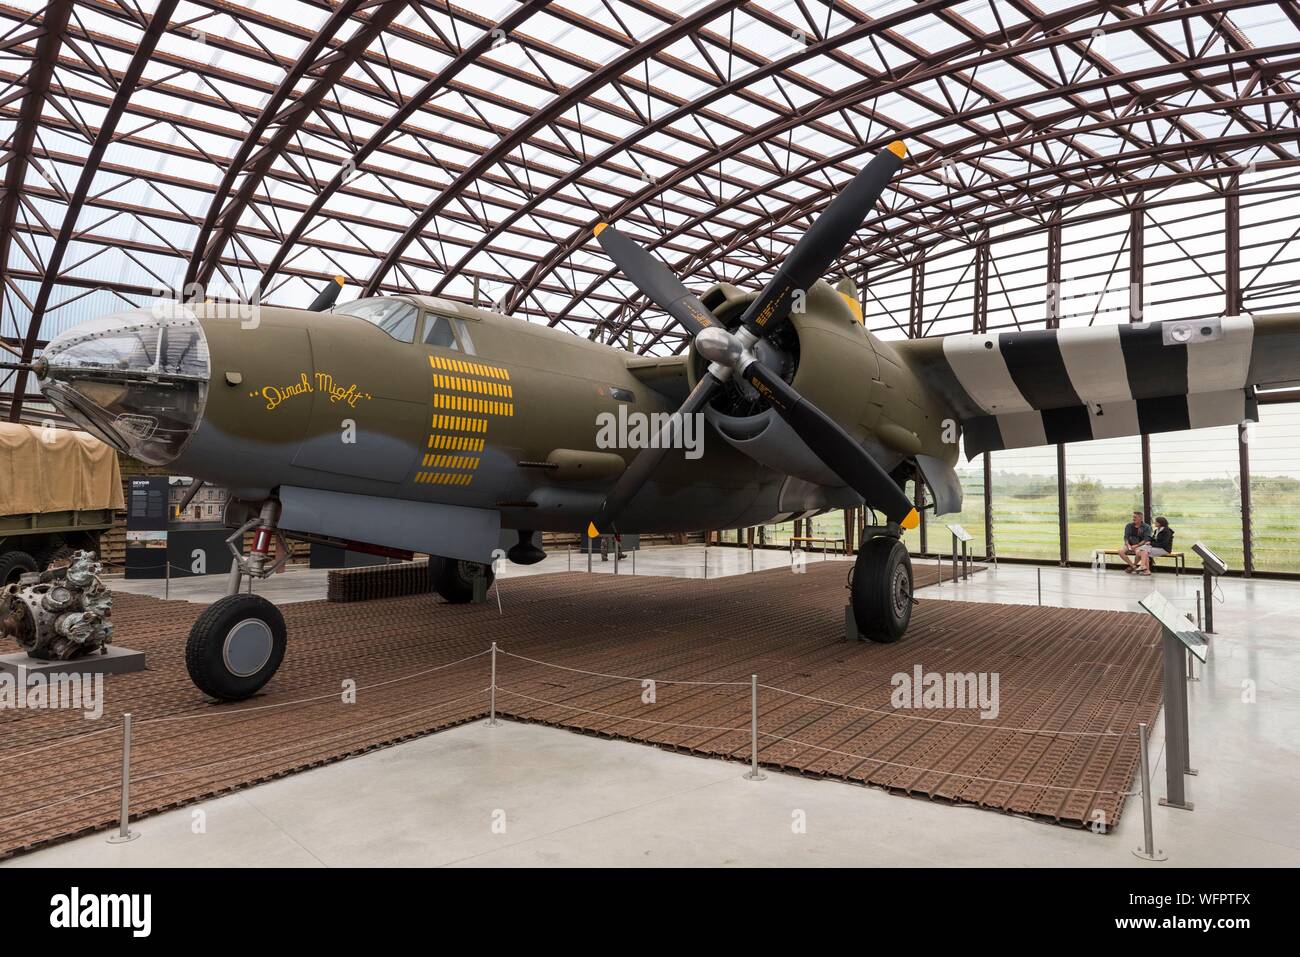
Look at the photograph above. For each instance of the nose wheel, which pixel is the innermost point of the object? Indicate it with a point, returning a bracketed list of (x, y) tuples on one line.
[(881, 592), (235, 647), (237, 643)]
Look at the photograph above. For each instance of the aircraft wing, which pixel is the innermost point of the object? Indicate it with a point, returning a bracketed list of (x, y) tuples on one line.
[(1048, 386)]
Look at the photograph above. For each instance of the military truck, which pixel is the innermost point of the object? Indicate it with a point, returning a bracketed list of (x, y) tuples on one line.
[(59, 490)]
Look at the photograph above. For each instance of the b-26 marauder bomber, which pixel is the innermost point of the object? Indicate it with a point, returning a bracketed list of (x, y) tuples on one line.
[(409, 424)]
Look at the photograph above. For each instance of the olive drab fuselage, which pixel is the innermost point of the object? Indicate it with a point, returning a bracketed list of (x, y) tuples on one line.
[(330, 401)]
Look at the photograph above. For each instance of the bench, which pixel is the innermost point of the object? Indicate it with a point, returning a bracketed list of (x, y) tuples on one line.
[(1100, 556), (809, 540)]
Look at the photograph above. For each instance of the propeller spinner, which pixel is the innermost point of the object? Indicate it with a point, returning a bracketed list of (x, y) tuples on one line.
[(732, 353)]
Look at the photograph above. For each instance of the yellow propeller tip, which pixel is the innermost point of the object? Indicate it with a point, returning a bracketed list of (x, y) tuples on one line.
[(592, 531), (898, 148), (340, 280), (913, 519), (600, 228)]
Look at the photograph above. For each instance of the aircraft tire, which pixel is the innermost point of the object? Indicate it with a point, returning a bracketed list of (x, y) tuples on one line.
[(235, 647), (13, 565), (882, 589), (453, 580)]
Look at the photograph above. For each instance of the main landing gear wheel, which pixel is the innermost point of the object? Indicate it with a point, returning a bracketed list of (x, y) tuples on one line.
[(454, 579), (235, 647), (882, 589)]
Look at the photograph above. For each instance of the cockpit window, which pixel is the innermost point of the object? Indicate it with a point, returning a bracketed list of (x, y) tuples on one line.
[(438, 332), (394, 316)]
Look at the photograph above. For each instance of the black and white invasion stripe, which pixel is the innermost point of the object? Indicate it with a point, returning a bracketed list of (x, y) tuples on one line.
[(1049, 386)]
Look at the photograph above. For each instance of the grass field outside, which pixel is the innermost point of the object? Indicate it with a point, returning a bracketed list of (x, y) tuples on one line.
[(1025, 522)]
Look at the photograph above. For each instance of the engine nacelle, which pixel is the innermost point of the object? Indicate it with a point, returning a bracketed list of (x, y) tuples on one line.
[(836, 366)]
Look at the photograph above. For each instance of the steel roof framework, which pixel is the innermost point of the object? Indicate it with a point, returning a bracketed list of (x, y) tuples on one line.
[(214, 149)]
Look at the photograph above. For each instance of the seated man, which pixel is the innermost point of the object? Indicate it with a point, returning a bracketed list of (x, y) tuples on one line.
[(1161, 544), (1136, 532)]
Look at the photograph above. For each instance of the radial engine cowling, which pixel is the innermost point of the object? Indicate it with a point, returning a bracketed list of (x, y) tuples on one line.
[(827, 355)]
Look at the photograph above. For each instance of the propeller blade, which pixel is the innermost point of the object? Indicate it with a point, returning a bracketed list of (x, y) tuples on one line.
[(843, 456), (654, 279), (326, 298), (825, 239), (648, 459)]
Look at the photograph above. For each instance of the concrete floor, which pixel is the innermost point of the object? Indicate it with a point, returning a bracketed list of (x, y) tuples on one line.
[(525, 795)]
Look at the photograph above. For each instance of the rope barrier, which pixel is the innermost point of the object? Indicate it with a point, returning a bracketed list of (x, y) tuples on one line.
[(315, 742), (321, 697), (620, 717), (838, 704), (55, 744), (234, 712), (972, 777), (598, 674), (958, 724)]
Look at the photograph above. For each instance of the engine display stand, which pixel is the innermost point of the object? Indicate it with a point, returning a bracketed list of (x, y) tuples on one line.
[(117, 661)]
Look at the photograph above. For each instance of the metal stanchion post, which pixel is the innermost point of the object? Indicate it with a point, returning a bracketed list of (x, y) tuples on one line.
[(1040, 585), (492, 698), (634, 551), (706, 560), (569, 552), (124, 832), (1198, 612), (589, 541), (617, 549), (1148, 850), (754, 774), (1207, 584), (167, 585), (1177, 746)]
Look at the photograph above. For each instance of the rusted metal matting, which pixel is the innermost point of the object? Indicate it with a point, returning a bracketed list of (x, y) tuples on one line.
[(1089, 675)]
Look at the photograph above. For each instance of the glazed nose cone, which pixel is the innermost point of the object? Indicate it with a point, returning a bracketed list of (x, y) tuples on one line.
[(137, 380)]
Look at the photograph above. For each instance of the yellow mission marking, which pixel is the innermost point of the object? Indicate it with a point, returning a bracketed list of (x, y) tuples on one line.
[(432, 461), (455, 383), (469, 368), (464, 403), (458, 423), (444, 478), (458, 443)]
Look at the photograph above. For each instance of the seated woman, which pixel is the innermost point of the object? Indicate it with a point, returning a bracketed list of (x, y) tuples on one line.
[(1162, 543)]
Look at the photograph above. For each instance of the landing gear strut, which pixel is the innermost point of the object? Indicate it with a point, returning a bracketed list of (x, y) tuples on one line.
[(456, 580), (237, 643), (881, 590)]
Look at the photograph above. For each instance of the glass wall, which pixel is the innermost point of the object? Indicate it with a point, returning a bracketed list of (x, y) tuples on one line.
[(1196, 483), (1025, 516), (1103, 488), (1275, 488), (971, 516)]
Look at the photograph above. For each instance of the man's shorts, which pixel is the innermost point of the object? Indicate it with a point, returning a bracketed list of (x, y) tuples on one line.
[(1156, 552)]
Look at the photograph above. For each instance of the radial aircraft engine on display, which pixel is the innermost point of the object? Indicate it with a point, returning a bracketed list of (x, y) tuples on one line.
[(411, 424)]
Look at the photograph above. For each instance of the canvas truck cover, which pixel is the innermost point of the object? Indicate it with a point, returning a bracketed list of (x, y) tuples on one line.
[(55, 470)]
